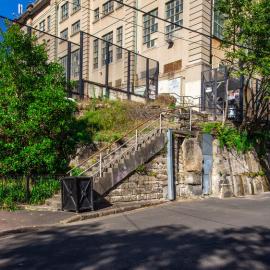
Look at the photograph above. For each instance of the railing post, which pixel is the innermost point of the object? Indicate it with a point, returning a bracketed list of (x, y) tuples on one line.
[(69, 69), (160, 123), (100, 165), (190, 119), (136, 143), (81, 84)]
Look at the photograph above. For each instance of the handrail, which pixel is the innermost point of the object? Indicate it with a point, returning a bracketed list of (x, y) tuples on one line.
[(101, 168), (109, 146)]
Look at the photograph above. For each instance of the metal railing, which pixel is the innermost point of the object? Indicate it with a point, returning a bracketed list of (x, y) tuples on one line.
[(132, 141)]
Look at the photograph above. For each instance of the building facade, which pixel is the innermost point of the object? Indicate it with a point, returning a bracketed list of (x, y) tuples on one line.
[(182, 54)]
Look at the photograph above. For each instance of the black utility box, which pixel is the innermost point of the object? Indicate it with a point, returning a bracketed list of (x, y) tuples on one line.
[(77, 194)]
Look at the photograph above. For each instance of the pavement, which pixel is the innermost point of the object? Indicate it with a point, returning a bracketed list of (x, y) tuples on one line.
[(208, 234)]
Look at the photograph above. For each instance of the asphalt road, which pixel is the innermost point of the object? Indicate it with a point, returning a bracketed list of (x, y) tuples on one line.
[(209, 234)]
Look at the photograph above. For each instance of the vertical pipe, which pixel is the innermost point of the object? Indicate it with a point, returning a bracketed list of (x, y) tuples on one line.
[(171, 189), (69, 69), (202, 106), (147, 79), (211, 33), (128, 75), (81, 84), (107, 61)]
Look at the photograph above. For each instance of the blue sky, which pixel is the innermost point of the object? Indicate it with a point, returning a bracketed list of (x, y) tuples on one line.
[(9, 7)]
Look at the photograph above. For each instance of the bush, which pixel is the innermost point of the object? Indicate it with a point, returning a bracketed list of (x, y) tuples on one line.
[(229, 137), (43, 189), (13, 192)]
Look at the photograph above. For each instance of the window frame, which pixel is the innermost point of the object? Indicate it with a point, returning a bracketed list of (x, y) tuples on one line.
[(74, 32), (174, 12), (150, 26), (61, 34), (64, 15), (105, 39), (119, 42), (95, 53), (42, 26), (96, 14), (108, 7), (76, 6)]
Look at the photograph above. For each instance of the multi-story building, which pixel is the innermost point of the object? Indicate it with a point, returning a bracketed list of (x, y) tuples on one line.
[(182, 52)]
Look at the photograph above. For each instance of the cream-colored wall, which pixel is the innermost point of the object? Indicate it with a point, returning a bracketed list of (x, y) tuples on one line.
[(192, 49)]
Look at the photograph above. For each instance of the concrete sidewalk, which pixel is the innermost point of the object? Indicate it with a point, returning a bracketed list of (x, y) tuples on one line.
[(20, 219)]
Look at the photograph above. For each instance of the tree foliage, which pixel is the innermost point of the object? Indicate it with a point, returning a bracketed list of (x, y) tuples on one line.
[(247, 45), (38, 129)]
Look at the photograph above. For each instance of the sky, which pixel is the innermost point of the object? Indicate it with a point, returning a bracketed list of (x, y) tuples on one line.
[(9, 8)]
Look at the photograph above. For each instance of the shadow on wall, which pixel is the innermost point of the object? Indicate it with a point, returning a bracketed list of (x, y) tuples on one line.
[(167, 247)]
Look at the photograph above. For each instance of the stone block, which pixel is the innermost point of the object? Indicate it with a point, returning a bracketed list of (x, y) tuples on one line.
[(193, 178), (192, 155)]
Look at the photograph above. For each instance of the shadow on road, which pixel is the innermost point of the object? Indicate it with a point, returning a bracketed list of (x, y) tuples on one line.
[(167, 247)]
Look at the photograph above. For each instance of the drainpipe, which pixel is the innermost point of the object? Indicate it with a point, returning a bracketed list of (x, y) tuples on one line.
[(171, 187)]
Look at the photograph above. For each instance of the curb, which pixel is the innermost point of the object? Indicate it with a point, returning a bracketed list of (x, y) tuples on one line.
[(78, 217), (25, 230), (117, 210)]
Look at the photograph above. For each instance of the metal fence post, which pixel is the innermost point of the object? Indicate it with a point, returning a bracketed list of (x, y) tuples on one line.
[(69, 69), (147, 79), (171, 189), (215, 94), (128, 76), (157, 79), (107, 61), (81, 84)]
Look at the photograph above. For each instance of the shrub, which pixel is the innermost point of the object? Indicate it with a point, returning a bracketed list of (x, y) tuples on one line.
[(229, 137), (13, 192), (43, 189)]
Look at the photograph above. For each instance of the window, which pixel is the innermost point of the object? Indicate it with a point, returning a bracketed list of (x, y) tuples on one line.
[(49, 23), (174, 14), (96, 14), (107, 39), (75, 27), (150, 26), (218, 24), (64, 11), (119, 40), (63, 62), (64, 34), (108, 7), (76, 5), (42, 26), (75, 64), (95, 53)]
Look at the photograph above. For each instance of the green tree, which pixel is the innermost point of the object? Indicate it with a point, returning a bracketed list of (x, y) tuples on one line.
[(38, 129), (247, 44)]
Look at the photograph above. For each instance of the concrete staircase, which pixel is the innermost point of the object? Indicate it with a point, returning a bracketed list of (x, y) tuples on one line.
[(111, 165)]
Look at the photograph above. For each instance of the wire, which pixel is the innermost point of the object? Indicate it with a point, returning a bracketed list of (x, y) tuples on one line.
[(181, 26), (120, 19)]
